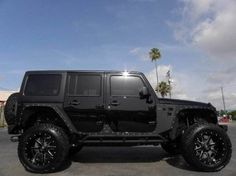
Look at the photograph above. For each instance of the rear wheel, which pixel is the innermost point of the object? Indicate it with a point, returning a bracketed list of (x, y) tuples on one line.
[(43, 148), (206, 147)]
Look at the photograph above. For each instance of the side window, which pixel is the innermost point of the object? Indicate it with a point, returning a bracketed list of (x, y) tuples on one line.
[(84, 85), (126, 85), (43, 85)]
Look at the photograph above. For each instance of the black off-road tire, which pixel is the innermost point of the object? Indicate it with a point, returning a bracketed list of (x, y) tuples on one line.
[(206, 147), (171, 148), (43, 148), (11, 108)]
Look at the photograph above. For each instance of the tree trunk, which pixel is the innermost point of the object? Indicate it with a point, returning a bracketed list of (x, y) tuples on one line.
[(156, 74)]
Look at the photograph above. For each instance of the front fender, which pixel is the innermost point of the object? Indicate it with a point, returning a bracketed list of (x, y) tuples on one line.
[(197, 113)]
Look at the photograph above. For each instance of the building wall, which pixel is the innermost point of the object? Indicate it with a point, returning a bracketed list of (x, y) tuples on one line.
[(3, 98), (5, 94), (2, 119)]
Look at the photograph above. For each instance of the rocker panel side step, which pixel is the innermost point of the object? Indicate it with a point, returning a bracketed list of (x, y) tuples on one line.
[(121, 140)]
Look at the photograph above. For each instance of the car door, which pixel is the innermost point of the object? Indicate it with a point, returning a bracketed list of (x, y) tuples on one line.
[(84, 101), (127, 111)]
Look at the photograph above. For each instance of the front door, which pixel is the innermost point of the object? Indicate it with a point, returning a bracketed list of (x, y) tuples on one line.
[(127, 111), (84, 101)]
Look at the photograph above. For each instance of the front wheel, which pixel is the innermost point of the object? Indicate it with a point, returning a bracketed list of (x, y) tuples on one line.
[(206, 147), (43, 148)]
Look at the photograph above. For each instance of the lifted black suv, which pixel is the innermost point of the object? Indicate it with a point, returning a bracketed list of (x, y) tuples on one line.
[(57, 112)]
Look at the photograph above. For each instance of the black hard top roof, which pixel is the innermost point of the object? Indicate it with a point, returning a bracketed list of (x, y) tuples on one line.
[(79, 71)]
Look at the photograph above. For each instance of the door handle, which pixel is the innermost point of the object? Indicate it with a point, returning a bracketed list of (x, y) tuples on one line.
[(74, 103), (100, 107), (115, 103)]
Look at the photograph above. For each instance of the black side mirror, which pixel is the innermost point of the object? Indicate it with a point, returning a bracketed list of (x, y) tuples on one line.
[(144, 92)]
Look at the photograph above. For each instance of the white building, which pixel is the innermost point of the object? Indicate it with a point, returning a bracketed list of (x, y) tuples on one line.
[(3, 98), (4, 95)]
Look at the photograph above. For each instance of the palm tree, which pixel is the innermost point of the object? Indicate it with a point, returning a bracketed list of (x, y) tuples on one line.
[(154, 55), (164, 88)]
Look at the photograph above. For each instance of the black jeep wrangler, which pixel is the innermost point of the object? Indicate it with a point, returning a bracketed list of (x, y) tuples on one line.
[(56, 113)]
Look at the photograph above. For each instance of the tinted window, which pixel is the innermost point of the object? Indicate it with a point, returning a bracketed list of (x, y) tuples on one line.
[(125, 85), (84, 85), (43, 85)]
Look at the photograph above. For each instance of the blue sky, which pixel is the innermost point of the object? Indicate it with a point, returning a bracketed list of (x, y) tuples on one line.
[(80, 35), (109, 34)]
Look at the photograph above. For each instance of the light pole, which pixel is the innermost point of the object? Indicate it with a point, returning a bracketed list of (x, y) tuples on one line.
[(223, 97)]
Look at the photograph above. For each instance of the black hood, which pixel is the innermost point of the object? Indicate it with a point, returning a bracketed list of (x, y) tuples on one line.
[(183, 102)]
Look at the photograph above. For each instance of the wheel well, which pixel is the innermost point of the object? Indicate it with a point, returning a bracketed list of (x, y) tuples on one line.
[(187, 117), (191, 116), (33, 115)]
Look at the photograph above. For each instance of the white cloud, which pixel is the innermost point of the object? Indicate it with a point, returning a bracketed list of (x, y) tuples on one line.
[(191, 87), (214, 96), (209, 25), (224, 77), (162, 70), (177, 88), (193, 9), (140, 52), (218, 36), (135, 50)]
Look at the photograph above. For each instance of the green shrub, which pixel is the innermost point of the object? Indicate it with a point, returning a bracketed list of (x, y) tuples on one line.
[(233, 113)]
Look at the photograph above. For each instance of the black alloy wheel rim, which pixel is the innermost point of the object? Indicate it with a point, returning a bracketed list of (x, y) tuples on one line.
[(210, 148), (40, 149)]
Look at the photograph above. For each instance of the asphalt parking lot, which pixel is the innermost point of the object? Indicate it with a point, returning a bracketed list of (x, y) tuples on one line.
[(114, 161)]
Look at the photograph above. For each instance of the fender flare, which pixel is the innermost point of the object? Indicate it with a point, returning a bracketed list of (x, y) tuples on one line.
[(175, 122), (59, 111)]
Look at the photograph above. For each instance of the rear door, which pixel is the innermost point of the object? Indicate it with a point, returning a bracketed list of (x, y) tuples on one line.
[(126, 110), (84, 101)]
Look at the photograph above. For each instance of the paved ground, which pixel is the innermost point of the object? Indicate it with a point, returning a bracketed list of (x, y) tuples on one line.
[(114, 161)]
